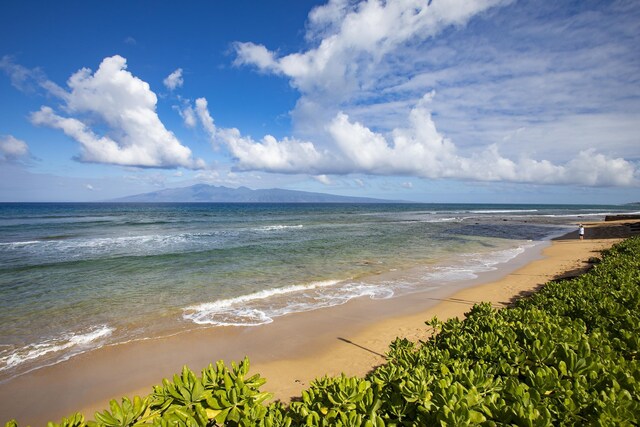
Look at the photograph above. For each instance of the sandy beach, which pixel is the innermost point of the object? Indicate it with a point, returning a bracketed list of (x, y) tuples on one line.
[(295, 349)]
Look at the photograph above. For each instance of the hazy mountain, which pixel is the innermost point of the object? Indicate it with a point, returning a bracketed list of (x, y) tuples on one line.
[(211, 193)]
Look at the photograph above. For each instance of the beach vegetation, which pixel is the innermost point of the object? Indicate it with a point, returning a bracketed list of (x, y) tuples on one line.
[(566, 356)]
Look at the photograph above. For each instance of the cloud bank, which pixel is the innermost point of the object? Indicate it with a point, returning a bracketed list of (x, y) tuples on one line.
[(415, 150), (371, 60)]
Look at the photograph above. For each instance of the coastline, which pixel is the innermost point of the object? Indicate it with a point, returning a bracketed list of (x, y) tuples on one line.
[(290, 352)]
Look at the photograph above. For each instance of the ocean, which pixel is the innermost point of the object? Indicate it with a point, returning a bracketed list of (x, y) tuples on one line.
[(75, 277)]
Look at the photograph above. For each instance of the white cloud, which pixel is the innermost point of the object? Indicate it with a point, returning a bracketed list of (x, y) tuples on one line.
[(553, 102), (408, 185), (352, 38), (89, 187), (205, 118), (126, 104), (288, 155), (323, 179), (596, 169), (28, 80), (12, 148), (417, 149), (252, 54), (188, 116), (420, 150), (174, 80), (272, 155)]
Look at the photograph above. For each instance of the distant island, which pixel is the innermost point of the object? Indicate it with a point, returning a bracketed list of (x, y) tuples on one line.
[(204, 193)]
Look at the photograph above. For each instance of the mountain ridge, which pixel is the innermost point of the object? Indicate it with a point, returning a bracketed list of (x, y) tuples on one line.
[(204, 193)]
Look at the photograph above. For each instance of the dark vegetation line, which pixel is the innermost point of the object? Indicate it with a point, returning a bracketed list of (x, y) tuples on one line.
[(567, 355)]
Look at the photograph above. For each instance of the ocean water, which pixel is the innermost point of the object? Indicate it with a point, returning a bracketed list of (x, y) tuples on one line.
[(74, 277)]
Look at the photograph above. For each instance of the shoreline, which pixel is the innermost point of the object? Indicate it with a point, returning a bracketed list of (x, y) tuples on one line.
[(350, 338)]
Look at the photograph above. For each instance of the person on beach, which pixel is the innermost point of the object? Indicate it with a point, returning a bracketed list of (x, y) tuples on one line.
[(581, 231)]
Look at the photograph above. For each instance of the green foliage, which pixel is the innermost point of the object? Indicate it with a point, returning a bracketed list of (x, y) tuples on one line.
[(566, 356)]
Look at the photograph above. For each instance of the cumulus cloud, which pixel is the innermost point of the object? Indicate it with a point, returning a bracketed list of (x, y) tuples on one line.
[(12, 148), (174, 80), (352, 38), (272, 155), (102, 149), (420, 150), (206, 120), (288, 155), (126, 104), (417, 149)]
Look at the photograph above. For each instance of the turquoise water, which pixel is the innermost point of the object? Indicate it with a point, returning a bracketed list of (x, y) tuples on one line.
[(74, 277)]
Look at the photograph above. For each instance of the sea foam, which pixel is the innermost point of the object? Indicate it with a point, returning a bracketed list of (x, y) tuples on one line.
[(235, 311), (72, 343), (262, 307), (279, 227), (469, 265)]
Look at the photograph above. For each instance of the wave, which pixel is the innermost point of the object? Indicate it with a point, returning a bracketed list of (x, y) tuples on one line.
[(446, 219), (594, 214), (278, 227), (72, 343), (57, 220), (11, 245), (498, 211), (262, 307), (206, 313), (73, 249), (470, 265)]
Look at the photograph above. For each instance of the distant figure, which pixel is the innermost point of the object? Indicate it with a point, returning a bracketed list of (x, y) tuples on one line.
[(581, 231)]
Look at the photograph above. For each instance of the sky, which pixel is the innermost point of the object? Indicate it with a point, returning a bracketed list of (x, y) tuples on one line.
[(476, 101)]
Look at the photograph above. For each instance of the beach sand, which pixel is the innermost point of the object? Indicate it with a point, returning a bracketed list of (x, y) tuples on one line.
[(294, 349)]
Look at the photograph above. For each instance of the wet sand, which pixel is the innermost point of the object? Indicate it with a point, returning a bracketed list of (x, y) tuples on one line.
[(294, 349)]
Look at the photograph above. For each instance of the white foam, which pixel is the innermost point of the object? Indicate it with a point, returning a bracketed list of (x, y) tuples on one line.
[(579, 214), (67, 341), (471, 264), (357, 290), (279, 227), (261, 295), (18, 244), (499, 211), (261, 307), (446, 219), (83, 248), (449, 274)]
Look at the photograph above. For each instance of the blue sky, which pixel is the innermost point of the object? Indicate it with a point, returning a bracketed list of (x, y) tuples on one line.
[(436, 101)]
